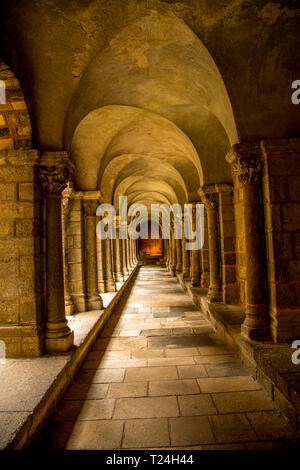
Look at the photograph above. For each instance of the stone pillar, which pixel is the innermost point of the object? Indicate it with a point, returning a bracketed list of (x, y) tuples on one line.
[(128, 254), (230, 288), (118, 257), (178, 256), (100, 264), (204, 255), (124, 257), (76, 253), (66, 206), (195, 264), (185, 259), (211, 202), (90, 204), (109, 281), (55, 170), (173, 252), (247, 163)]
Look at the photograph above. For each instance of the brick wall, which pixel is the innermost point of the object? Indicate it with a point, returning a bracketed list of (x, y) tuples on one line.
[(281, 198)]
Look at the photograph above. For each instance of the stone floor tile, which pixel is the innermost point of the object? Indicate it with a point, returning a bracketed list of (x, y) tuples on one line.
[(96, 435), (103, 355), (234, 402), (127, 389), (114, 364), (150, 407), (232, 428), (271, 425), (196, 405), (218, 359), (190, 372), (177, 352), (189, 431), (147, 353), (227, 384), (142, 433), (100, 376), (86, 391), (78, 410), (170, 361), (179, 341), (173, 387), (225, 370), (213, 350), (150, 373)]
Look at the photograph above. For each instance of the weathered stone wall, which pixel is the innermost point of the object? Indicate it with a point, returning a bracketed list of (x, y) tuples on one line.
[(281, 198), (21, 262)]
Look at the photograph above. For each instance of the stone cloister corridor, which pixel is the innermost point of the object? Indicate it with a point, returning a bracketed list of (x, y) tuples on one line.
[(158, 376), (149, 224)]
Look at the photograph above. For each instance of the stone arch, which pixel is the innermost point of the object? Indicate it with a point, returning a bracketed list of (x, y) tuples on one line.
[(15, 127)]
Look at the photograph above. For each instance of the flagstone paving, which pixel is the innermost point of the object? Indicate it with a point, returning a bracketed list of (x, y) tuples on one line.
[(159, 377)]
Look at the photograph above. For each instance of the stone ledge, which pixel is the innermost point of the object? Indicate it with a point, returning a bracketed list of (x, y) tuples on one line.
[(269, 363), (31, 388)]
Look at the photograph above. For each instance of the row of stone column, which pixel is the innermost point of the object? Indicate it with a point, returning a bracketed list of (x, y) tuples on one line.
[(79, 266)]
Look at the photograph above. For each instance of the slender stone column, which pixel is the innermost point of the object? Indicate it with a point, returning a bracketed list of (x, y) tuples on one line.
[(109, 282), (195, 265), (66, 206), (173, 253), (100, 264), (178, 256), (55, 171), (128, 254), (247, 164), (93, 298), (124, 257), (118, 257), (185, 260), (211, 202)]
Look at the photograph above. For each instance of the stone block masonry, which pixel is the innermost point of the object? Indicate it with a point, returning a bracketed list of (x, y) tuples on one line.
[(281, 197), (21, 257)]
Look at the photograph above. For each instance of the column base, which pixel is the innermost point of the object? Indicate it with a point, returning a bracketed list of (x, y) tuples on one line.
[(195, 282), (215, 294), (58, 337), (56, 345), (119, 277), (110, 286), (186, 274), (94, 302), (69, 306), (178, 269), (79, 303), (256, 324)]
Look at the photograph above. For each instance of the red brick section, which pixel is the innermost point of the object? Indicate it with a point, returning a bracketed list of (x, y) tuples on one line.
[(15, 128), (281, 194)]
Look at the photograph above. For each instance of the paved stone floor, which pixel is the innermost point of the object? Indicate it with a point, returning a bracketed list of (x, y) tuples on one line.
[(159, 377)]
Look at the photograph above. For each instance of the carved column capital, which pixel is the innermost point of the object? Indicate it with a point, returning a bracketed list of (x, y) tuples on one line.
[(246, 161), (90, 206), (209, 197), (55, 170)]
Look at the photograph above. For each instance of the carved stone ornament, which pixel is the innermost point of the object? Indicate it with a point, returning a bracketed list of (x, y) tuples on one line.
[(246, 161), (55, 170)]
